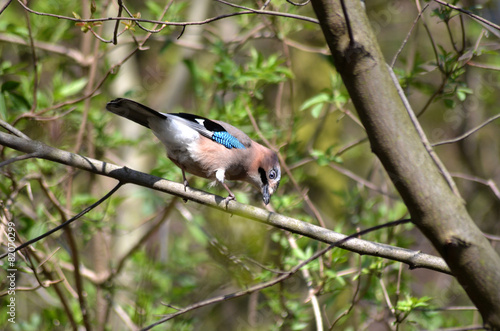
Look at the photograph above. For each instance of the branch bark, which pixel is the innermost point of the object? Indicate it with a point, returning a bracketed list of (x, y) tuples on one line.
[(412, 258), (434, 208)]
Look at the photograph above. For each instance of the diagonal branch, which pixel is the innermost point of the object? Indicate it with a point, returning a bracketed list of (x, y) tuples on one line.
[(125, 175), (468, 133)]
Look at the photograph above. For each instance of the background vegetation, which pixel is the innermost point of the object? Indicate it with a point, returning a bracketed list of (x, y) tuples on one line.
[(142, 254)]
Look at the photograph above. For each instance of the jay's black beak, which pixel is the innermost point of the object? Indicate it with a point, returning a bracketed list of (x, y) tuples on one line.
[(265, 194)]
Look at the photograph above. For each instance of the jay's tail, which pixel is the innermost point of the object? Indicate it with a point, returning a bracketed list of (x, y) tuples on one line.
[(133, 111)]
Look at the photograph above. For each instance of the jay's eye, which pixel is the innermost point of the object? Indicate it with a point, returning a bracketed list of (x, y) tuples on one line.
[(272, 174)]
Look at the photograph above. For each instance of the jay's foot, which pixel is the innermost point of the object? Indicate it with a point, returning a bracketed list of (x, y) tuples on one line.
[(229, 198)]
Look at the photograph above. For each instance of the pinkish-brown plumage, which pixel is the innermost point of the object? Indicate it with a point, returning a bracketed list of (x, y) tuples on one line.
[(207, 148)]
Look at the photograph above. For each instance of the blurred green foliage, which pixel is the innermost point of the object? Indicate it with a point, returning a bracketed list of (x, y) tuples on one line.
[(273, 69)]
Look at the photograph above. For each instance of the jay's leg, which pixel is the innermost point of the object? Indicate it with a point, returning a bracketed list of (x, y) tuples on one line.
[(230, 196), (219, 174), (186, 184)]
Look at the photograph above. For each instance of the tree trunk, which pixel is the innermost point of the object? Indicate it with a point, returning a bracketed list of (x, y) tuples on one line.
[(435, 209)]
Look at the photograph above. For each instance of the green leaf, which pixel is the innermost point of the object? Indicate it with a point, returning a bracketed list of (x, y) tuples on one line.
[(316, 153), (19, 102), (317, 99), (449, 103), (3, 107), (299, 326), (316, 110), (197, 233), (10, 85), (410, 303), (462, 92), (73, 87)]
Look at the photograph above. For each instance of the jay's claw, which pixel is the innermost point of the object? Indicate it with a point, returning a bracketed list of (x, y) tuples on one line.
[(229, 198)]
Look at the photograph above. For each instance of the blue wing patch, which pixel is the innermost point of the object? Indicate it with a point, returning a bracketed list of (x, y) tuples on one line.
[(227, 140)]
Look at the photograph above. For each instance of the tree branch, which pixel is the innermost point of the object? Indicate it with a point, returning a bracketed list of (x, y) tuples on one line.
[(248, 11), (412, 258), (435, 209), (468, 133), (478, 18)]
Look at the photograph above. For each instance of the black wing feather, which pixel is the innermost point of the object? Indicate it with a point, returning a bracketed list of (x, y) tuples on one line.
[(133, 111), (208, 124)]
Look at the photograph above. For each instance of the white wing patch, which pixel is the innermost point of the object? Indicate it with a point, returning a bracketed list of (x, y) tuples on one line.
[(220, 175), (174, 134)]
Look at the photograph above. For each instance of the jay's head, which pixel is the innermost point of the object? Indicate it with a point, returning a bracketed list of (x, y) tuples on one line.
[(269, 174)]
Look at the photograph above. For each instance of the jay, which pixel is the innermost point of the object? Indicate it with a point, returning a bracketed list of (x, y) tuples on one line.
[(207, 148)]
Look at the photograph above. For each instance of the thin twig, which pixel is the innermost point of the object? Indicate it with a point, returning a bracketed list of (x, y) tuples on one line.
[(491, 237), (470, 14), (298, 3), (122, 314), (63, 212), (422, 135), (53, 48), (462, 28), (450, 34), (433, 43), (117, 24), (432, 97), (483, 66), (405, 41), (361, 180), (355, 297), (468, 133), (248, 11), (306, 48), (386, 297), (35, 64), (48, 257), (13, 130), (274, 281), (154, 30), (488, 182), (351, 145), (30, 263), (350, 174), (19, 158), (62, 225), (43, 284)]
